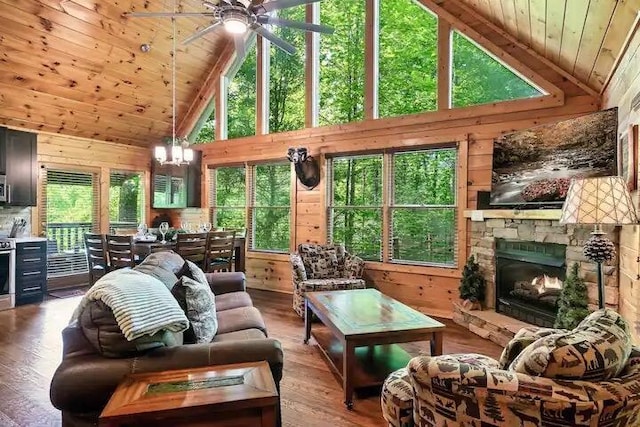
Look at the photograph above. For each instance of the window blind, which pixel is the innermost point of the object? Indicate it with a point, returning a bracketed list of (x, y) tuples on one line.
[(227, 197), (69, 208)]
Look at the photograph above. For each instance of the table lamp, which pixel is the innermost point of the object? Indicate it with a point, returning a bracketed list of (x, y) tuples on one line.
[(598, 201)]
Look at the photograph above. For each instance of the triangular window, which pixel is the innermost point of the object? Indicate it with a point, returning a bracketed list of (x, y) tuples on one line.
[(479, 78)]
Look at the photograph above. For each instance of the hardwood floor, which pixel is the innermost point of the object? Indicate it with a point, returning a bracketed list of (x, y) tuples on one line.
[(31, 348)]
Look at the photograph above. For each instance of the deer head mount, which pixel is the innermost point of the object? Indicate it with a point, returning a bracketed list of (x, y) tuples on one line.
[(307, 168)]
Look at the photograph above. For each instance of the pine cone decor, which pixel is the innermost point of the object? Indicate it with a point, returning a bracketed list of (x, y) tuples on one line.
[(599, 249)]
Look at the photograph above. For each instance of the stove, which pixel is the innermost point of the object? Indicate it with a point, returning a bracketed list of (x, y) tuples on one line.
[(7, 243), (7, 273)]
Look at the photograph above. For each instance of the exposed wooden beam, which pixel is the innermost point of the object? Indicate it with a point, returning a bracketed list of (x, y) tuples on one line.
[(371, 60), (623, 51), (493, 27), (444, 65), (311, 69), (491, 47), (262, 98), (207, 90)]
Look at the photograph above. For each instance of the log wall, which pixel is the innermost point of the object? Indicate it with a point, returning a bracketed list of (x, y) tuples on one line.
[(429, 289), (623, 87)]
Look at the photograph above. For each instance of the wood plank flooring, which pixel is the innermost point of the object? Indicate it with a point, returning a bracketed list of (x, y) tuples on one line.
[(31, 347)]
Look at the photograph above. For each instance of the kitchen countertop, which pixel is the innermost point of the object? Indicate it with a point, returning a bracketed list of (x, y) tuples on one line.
[(26, 239)]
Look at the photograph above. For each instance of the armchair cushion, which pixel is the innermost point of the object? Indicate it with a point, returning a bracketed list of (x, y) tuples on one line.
[(598, 349), (321, 261), (353, 266), (524, 338), (397, 399), (299, 272), (318, 285)]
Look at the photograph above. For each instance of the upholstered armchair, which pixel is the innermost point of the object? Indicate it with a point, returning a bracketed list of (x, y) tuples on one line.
[(474, 390), (323, 268)]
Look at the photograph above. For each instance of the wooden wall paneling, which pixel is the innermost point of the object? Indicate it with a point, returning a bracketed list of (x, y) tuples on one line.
[(462, 196), (572, 34), (554, 29), (269, 271), (444, 65), (596, 25), (293, 215), (509, 17), (523, 22), (370, 59)]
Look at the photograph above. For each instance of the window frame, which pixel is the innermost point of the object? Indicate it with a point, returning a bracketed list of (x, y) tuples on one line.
[(213, 203), (251, 207)]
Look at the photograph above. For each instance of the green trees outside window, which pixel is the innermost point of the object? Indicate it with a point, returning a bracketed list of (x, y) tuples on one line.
[(408, 58), (478, 78), (342, 62), (287, 77), (207, 131), (228, 197), (270, 210), (241, 97), (423, 211), (126, 199), (355, 206)]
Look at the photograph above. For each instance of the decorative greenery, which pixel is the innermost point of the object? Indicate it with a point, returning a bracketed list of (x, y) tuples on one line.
[(572, 304), (472, 284)]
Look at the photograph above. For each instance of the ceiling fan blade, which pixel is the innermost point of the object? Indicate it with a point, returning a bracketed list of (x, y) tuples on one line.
[(202, 32), (165, 14), (266, 19), (279, 4), (286, 46), (238, 41)]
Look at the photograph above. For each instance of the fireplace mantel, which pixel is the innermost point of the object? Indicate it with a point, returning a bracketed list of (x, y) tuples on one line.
[(545, 214)]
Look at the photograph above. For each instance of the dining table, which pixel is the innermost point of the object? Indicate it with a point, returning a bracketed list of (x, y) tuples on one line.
[(144, 248)]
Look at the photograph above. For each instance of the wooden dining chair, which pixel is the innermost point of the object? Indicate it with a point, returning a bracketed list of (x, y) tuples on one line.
[(192, 246), (97, 261), (120, 251), (220, 251)]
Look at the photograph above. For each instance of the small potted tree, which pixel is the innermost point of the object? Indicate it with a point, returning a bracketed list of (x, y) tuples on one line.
[(472, 285), (573, 301)]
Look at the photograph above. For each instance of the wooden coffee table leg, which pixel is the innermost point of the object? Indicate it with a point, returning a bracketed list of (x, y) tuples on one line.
[(308, 315), (436, 344), (348, 360)]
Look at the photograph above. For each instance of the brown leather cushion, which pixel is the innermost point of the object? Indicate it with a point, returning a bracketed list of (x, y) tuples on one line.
[(233, 300), (101, 329), (237, 319), (246, 334)]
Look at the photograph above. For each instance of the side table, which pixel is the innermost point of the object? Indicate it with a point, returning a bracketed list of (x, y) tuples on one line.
[(238, 395)]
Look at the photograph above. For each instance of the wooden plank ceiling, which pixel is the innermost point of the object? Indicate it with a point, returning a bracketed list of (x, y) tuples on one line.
[(583, 37), (75, 67)]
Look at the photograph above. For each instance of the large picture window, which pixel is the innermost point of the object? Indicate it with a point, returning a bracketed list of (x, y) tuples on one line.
[(423, 210), (228, 197), (355, 204), (126, 200), (270, 209)]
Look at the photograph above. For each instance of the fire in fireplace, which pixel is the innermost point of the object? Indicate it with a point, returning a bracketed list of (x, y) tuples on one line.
[(529, 277)]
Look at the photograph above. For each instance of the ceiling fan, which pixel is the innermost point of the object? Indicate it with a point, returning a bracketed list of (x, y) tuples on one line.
[(239, 16)]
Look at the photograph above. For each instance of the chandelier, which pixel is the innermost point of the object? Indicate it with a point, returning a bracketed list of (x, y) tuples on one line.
[(180, 153)]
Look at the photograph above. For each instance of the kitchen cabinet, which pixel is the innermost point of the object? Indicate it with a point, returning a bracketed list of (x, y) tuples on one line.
[(18, 161), (31, 272), (176, 186)]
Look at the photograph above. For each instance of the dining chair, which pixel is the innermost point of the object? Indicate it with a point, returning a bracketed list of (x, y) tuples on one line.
[(220, 251), (95, 246), (192, 246), (120, 251)]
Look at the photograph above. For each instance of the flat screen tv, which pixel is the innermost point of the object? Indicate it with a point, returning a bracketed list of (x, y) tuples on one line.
[(534, 167)]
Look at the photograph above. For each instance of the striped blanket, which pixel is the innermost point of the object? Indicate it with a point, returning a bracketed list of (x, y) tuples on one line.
[(141, 304)]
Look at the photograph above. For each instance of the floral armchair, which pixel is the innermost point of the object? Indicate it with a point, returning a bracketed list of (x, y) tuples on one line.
[(475, 390), (323, 268)]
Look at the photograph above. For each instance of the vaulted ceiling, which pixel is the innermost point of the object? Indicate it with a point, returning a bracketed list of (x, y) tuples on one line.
[(75, 66)]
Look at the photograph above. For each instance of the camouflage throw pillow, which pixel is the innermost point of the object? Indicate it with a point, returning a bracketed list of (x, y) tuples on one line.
[(198, 303)]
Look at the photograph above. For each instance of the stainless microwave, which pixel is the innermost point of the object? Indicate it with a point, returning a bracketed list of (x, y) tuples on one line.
[(4, 196)]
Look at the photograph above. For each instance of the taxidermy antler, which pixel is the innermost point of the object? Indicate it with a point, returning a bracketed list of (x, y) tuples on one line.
[(307, 169)]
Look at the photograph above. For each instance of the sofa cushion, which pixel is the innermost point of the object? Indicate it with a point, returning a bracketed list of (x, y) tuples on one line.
[(198, 303), (237, 319), (243, 335), (233, 300), (598, 349), (523, 338)]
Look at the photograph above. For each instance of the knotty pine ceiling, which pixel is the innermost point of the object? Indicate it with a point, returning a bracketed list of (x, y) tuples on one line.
[(75, 66), (583, 37)]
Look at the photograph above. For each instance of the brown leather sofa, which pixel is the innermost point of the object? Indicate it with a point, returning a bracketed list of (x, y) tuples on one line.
[(85, 380)]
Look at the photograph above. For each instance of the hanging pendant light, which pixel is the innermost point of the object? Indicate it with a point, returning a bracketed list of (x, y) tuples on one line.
[(180, 153)]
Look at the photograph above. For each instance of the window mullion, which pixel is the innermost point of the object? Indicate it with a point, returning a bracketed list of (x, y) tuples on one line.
[(387, 200)]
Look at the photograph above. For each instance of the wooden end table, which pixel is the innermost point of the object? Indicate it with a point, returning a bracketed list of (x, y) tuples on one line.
[(364, 327), (239, 395)]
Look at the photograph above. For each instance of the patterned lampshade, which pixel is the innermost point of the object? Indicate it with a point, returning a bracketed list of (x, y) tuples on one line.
[(603, 200)]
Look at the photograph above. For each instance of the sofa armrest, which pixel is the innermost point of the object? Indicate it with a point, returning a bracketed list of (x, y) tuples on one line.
[(224, 283), (84, 384), (299, 274), (353, 267)]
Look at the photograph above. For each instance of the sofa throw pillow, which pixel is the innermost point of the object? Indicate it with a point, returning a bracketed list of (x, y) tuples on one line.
[(196, 273), (523, 338), (198, 303), (597, 350)]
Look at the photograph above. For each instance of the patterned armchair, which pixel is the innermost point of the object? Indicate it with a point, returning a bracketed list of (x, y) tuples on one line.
[(323, 268), (474, 390)]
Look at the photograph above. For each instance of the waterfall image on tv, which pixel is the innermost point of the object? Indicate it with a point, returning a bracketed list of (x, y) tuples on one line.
[(535, 166)]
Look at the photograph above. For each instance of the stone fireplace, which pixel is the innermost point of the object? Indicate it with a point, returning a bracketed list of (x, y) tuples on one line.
[(516, 250)]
